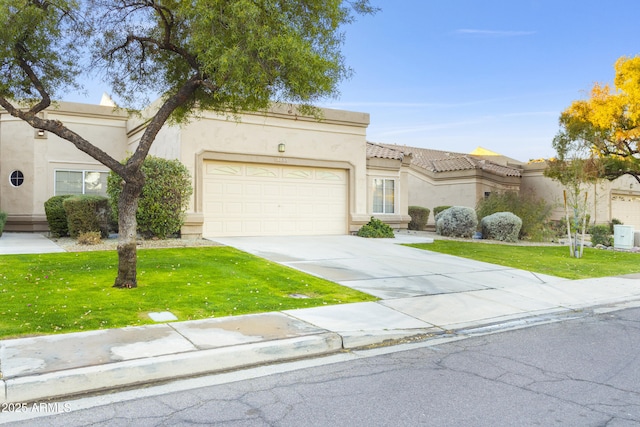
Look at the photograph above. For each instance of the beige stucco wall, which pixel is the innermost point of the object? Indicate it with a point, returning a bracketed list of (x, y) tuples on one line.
[(337, 140), (598, 195), (38, 157), (455, 188)]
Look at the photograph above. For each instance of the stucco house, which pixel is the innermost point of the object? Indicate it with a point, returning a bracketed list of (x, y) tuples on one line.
[(606, 200), (438, 178), (272, 173)]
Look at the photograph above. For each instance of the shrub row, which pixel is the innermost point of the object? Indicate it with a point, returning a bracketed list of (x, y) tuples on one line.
[(161, 206), (533, 212), (73, 215)]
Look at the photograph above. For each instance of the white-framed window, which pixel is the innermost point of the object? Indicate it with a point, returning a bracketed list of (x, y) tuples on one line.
[(384, 197), (16, 178), (80, 182)]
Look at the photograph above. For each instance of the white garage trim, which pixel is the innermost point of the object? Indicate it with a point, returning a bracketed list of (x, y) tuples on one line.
[(259, 199)]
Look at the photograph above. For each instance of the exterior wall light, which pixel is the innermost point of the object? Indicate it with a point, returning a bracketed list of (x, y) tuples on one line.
[(40, 132), (281, 147)]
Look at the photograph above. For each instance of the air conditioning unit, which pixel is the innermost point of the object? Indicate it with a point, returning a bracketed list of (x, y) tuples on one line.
[(623, 236)]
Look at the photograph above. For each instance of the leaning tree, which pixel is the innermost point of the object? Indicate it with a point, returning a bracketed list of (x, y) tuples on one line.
[(222, 55)]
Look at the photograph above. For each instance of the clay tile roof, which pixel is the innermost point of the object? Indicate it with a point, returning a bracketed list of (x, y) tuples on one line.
[(383, 152), (447, 161)]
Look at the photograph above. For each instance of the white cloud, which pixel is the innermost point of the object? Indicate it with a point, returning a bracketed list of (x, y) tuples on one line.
[(493, 33)]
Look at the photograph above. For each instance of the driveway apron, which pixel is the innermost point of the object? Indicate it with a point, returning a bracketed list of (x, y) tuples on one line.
[(383, 267)]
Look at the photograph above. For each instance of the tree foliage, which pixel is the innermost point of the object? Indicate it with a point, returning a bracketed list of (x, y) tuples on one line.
[(607, 124), (223, 55)]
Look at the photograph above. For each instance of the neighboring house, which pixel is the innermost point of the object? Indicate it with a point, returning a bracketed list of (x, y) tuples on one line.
[(35, 165), (439, 178), (606, 200)]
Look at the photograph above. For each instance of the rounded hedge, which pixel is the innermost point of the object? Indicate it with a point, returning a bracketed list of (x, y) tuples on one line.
[(87, 214), (503, 226), (419, 217), (457, 221), (164, 198), (56, 215)]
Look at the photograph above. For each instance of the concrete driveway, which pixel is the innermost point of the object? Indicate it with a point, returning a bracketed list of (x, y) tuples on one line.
[(383, 267)]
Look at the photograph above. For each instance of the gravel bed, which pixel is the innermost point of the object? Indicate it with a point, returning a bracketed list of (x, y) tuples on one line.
[(71, 245)]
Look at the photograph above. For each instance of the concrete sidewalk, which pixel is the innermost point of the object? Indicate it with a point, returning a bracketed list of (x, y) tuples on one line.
[(26, 243), (423, 294)]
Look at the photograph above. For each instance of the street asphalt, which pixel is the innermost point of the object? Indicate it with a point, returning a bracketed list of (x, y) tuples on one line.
[(422, 294)]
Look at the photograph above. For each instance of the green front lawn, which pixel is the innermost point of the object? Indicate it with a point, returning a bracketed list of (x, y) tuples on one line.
[(552, 260), (65, 292)]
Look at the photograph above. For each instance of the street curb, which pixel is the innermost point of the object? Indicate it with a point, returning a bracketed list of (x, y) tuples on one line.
[(160, 368), (358, 339)]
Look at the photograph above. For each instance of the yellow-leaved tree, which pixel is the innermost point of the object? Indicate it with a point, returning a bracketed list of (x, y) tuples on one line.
[(607, 124)]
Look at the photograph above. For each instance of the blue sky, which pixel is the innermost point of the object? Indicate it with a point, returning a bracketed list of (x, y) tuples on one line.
[(457, 74)]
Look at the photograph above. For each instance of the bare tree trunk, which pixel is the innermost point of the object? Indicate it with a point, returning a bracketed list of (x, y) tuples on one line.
[(127, 234)]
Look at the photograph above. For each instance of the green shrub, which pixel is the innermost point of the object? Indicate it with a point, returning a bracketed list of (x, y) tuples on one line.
[(439, 209), (56, 216), (503, 226), (3, 221), (87, 213), (612, 223), (457, 221), (376, 229), (562, 225), (533, 212), (419, 217), (601, 235), (164, 197)]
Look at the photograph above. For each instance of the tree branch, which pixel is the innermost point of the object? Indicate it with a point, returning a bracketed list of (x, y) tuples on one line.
[(160, 118), (58, 128)]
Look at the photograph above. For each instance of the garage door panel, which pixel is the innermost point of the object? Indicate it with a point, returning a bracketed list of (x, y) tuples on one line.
[(231, 189), (271, 190), (232, 227), (216, 208), (626, 208), (273, 200), (253, 190), (252, 209)]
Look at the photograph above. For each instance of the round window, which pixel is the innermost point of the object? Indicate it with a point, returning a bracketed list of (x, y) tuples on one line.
[(16, 178)]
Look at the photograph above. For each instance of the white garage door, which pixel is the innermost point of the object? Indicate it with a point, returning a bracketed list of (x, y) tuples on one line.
[(626, 209), (244, 199)]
